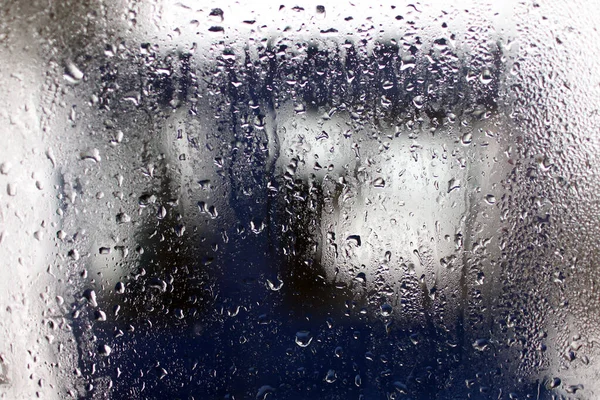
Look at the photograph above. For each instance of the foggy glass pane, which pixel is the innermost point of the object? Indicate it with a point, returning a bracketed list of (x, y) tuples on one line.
[(341, 200)]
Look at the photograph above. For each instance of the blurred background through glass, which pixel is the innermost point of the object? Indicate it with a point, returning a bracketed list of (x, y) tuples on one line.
[(299, 200)]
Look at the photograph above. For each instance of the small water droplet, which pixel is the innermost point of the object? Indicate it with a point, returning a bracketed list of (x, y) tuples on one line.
[(400, 387), (331, 376), (490, 199), (179, 230), (386, 310), (486, 76), (571, 389), (275, 285), (159, 284), (414, 338), (300, 108), (118, 138), (481, 344), (453, 184), (104, 350), (467, 138), (72, 73), (419, 102), (123, 218), (5, 168), (178, 313), (379, 183), (120, 288), (303, 338), (361, 277), (216, 14), (353, 240), (553, 383), (100, 315), (73, 254), (480, 278), (11, 189), (91, 154), (338, 352), (161, 213), (264, 391)]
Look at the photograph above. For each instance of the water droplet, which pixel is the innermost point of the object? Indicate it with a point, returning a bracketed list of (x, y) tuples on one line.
[(569, 355), (90, 296), (357, 380), (159, 284), (73, 254), (467, 138), (407, 61), (486, 76), (331, 376), (481, 344), (161, 213), (91, 154), (361, 277), (123, 218), (338, 352), (178, 313), (414, 338), (553, 383), (386, 310), (300, 108), (120, 288), (72, 73), (264, 391), (571, 389), (275, 285), (490, 199), (353, 240), (400, 387), (453, 184), (179, 230), (441, 43), (5, 168), (419, 102), (303, 338), (379, 183), (100, 315), (104, 350), (11, 189), (204, 184), (216, 14), (118, 138)]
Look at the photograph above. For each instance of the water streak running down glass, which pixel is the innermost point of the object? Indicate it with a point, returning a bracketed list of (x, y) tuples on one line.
[(341, 200)]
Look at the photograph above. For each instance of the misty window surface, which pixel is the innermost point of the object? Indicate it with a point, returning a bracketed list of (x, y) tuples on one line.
[(343, 200)]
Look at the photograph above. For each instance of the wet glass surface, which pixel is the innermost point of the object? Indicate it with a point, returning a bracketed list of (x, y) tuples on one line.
[(292, 201)]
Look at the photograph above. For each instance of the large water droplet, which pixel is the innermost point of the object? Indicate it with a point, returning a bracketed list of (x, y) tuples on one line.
[(90, 296)]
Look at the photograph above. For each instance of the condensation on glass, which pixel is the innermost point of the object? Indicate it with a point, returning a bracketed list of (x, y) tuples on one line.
[(341, 200)]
